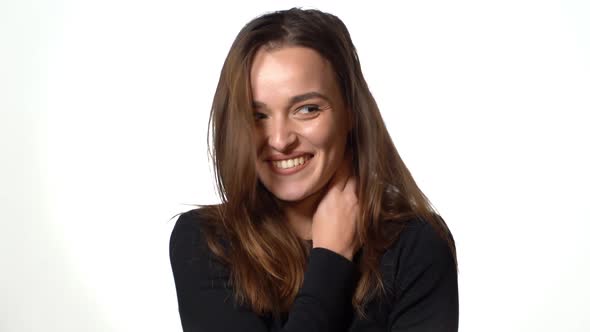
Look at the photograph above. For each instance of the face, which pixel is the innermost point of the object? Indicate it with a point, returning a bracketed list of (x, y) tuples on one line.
[(301, 121)]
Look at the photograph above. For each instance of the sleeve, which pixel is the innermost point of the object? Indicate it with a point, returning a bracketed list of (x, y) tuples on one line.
[(206, 300), (427, 297)]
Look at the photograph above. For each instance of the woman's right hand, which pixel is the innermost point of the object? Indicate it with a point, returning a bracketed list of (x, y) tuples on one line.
[(335, 219)]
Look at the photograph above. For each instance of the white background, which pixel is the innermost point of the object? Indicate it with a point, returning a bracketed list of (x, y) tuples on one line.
[(103, 116)]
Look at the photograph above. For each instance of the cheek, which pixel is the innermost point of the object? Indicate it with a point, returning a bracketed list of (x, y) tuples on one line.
[(322, 135)]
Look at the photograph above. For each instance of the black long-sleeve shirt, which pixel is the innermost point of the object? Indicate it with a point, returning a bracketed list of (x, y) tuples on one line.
[(418, 271)]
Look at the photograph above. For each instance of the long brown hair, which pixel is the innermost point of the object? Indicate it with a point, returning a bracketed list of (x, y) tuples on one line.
[(248, 230)]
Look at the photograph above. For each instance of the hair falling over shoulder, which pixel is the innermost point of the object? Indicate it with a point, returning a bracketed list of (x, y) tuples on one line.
[(267, 259)]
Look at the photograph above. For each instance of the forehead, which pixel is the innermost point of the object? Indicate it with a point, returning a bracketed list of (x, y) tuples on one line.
[(288, 71)]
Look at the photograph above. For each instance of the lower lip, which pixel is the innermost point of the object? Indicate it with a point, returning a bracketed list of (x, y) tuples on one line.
[(289, 171)]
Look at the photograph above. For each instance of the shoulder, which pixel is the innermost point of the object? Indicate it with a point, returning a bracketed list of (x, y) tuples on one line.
[(188, 224), (420, 247), (188, 237), (189, 221), (420, 278), (189, 253), (421, 236)]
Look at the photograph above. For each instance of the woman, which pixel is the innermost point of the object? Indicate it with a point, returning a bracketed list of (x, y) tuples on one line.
[(321, 226)]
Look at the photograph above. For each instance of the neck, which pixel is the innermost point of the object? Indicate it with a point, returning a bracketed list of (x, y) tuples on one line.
[(299, 214)]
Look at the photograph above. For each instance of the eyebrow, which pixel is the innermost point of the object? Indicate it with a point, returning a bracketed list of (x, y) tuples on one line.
[(296, 99)]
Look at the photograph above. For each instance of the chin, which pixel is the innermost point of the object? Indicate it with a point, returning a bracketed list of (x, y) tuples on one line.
[(290, 196)]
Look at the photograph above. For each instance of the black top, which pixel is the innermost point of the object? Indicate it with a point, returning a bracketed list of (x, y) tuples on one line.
[(418, 271)]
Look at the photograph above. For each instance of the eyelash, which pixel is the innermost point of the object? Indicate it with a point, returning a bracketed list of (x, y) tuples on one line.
[(259, 116), (313, 109)]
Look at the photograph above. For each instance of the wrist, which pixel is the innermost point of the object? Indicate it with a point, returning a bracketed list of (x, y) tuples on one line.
[(346, 253)]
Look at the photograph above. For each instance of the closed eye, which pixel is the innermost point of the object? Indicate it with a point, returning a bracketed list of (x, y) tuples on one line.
[(258, 116)]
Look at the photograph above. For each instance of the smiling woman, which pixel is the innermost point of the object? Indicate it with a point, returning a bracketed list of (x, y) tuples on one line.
[(304, 117), (321, 225)]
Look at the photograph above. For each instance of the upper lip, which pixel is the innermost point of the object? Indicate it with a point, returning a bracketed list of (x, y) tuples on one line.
[(287, 156)]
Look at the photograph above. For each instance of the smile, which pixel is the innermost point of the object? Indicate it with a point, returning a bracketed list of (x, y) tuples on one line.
[(290, 166)]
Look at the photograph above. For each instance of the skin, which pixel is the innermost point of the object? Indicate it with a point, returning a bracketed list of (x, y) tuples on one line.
[(298, 108)]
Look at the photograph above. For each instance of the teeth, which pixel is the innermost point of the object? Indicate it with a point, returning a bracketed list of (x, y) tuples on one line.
[(289, 163)]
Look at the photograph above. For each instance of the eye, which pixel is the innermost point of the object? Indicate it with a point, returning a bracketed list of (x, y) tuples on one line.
[(308, 109), (259, 116)]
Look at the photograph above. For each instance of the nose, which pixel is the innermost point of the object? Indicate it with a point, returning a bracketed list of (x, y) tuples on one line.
[(281, 136)]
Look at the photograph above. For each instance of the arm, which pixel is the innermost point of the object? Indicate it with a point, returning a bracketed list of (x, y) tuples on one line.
[(427, 296), (206, 301)]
